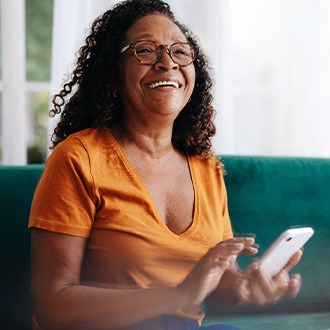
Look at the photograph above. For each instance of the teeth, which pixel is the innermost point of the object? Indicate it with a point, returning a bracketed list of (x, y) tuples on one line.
[(164, 83)]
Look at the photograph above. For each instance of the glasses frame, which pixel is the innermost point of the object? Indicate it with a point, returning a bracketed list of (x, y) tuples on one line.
[(168, 48)]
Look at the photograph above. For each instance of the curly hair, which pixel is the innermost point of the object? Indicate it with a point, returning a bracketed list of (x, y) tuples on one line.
[(92, 86)]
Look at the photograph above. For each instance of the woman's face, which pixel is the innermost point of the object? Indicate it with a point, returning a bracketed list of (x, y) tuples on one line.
[(142, 95)]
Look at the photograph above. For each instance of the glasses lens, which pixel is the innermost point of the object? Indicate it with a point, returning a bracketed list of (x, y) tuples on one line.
[(146, 52), (182, 53)]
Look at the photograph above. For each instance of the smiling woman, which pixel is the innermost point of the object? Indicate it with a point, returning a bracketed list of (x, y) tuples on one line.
[(143, 87), (193, 128), (142, 235)]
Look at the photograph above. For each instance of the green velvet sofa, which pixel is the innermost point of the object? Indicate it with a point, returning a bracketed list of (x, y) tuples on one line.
[(266, 195)]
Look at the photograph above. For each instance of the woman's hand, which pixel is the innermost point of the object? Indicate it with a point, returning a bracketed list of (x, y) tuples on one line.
[(255, 287), (206, 275)]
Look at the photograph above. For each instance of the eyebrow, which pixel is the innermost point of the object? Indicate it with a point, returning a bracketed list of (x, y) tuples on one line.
[(149, 36), (146, 35)]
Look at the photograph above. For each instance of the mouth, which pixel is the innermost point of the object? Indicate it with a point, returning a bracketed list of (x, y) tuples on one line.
[(165, 83)]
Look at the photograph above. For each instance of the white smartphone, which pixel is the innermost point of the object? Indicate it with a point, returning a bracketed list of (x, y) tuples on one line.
[(285, 246)]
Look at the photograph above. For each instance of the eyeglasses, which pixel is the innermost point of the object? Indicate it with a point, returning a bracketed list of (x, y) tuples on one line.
[(149, 52)]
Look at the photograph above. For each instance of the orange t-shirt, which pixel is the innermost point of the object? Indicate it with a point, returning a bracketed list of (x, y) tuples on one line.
[(90, 189)]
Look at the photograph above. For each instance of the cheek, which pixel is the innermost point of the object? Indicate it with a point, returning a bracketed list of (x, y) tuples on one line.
[(130, 77)]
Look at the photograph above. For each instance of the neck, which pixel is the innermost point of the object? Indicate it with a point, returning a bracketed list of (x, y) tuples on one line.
[(152, 142)]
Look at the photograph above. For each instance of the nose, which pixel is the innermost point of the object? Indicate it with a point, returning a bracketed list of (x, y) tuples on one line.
[(165, 61)]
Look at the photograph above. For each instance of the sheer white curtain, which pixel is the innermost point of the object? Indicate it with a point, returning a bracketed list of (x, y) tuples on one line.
[(271, 61)]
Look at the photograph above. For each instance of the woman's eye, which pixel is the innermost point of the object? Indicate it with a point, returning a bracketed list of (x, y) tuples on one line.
[(145, 50), (180, 51)]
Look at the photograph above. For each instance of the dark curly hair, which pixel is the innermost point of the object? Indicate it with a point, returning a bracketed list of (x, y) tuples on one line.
[(93, 101)]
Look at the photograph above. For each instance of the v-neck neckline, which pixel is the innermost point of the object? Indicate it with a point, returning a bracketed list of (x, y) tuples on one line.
[(131, 169)]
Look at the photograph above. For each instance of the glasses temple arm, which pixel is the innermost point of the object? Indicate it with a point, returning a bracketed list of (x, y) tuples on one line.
[(124, 49)]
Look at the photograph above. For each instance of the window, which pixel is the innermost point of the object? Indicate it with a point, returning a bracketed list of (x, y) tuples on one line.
[(25, 89)]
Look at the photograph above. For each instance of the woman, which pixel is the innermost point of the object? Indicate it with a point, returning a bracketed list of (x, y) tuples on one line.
[(129, 222)]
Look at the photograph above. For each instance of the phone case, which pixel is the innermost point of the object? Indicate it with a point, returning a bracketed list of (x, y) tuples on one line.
[(285, 246)]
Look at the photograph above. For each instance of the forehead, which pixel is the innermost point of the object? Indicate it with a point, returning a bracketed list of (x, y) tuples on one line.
[(155, 27)]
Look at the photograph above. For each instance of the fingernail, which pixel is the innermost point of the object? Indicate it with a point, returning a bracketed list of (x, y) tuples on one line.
[(254, 250), (255, 266), (294, 283), (250, 240)]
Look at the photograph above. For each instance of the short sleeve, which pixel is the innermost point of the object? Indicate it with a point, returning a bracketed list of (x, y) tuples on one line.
[(64, 200)]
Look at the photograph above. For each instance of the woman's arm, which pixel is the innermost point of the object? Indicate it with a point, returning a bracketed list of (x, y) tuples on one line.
[(60, 300)]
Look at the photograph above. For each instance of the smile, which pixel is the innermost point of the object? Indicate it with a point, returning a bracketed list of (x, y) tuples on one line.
[(165, 84)]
